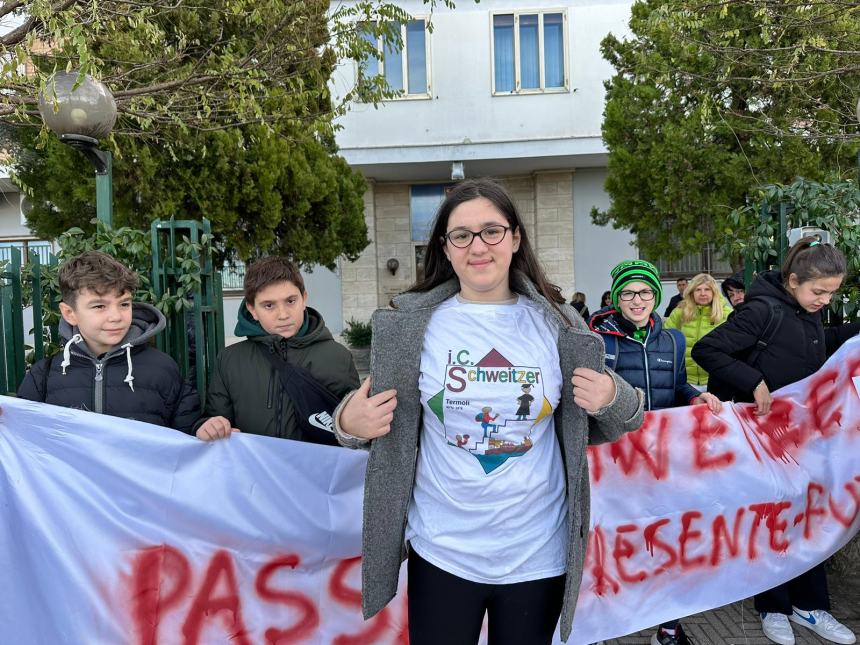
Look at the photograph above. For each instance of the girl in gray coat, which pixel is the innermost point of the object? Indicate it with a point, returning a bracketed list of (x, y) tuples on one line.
[(495, 516)]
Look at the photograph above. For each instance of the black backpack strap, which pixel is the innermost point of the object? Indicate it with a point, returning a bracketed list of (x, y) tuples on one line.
[(774, 322), (313, 403)]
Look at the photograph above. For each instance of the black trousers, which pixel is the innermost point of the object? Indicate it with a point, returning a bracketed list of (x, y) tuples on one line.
[(807, 591), (444, 608)]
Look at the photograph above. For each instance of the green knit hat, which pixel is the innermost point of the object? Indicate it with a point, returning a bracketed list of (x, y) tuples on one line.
[(636, 271)]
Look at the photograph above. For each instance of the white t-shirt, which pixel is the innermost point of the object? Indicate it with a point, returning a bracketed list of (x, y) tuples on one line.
[(489, 502)]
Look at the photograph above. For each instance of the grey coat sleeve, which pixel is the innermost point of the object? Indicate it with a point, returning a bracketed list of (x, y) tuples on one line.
[(623, 414), (345, 439)]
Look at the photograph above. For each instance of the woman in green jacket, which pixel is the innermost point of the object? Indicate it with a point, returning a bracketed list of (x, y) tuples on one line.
[(701, 310)]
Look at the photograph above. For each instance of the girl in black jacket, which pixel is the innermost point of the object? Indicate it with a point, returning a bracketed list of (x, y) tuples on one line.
[(746, 361)]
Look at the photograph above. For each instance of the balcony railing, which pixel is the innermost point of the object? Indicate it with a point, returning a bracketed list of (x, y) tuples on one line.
[(233, 276), (705, 261), (41, 247)]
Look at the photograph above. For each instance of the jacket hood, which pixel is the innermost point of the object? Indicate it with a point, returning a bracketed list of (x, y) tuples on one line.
[(313, 329), (146, 323), (769, 284), (735, 281), (609, 322)]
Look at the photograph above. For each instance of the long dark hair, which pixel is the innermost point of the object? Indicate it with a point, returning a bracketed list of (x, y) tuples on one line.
[(810, 258), (437, 268)]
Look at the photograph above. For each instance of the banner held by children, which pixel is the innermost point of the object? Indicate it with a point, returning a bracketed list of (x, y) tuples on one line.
[(116, 531), (694, 510)]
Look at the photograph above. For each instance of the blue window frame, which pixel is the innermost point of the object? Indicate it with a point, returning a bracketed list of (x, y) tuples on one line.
[(529, 52), (503, 52), (405, 66)]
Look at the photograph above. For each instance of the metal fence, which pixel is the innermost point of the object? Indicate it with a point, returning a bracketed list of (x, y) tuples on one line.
[(13, 349), (43, 250), (193, 337), (705, 261)]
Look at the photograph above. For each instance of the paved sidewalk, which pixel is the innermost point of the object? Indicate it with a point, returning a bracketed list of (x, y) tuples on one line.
[(739, 624)]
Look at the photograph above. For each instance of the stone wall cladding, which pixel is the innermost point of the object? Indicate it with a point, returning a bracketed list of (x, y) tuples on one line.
[(545, 202), (394, 240), (554, 238), (359, 278)]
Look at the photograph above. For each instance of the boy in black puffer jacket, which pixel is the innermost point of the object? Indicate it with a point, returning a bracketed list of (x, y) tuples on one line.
[(107, 365), (286, 379)]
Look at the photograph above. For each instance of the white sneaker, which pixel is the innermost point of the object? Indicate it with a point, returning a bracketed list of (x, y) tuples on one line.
[(777, 628), (823, 624)]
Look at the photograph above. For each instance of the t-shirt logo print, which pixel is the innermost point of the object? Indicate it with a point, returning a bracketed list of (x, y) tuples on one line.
[(497, 398)]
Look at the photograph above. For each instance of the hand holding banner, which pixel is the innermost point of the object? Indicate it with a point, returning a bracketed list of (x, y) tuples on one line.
[(115, 531)]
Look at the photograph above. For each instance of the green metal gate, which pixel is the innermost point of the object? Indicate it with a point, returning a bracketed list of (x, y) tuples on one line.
[(193, 337)]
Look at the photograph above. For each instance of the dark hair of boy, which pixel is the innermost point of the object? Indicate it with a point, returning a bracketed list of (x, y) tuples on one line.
[(97, 272), (252, 391), (131, 379), (270, 270)]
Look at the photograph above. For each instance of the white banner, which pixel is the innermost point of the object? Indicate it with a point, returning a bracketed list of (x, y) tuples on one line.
[(694, 511), (115, 532), (119, 532)]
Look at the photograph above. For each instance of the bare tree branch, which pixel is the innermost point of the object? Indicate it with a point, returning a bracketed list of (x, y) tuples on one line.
[(171, 63)]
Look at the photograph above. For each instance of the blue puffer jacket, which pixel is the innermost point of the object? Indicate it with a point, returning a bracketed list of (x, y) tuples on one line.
[(656, 366)]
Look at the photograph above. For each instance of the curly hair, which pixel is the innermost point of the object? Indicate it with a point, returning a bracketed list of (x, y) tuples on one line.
[(97, 272)]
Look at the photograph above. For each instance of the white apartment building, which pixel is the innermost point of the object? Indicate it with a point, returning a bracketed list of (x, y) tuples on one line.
[(504, 88), (511, 89), (13, 224)]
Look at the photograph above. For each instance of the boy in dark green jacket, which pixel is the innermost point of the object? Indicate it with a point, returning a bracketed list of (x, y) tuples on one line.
[(284, 380)]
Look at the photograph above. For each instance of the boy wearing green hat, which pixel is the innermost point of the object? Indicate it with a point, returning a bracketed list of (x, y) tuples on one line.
[(648, 356)]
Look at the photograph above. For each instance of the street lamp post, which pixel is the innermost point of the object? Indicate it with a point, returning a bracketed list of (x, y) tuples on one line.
[(81, 115)]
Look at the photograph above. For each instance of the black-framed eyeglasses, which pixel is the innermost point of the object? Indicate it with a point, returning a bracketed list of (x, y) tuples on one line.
[(490, 235), (645, 295)]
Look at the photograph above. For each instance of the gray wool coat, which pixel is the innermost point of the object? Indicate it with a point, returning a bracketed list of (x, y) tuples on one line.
[(398, 337)]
